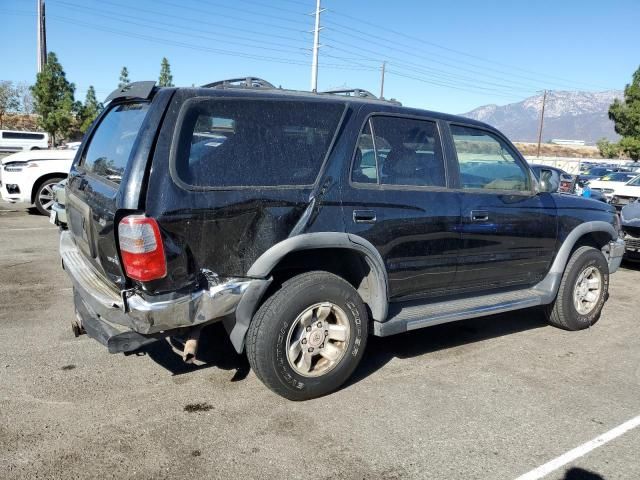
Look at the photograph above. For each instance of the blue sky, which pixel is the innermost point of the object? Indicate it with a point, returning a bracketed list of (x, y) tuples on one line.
[(446, 56)]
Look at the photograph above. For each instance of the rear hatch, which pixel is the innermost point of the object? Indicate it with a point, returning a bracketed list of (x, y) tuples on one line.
[(106, 180)]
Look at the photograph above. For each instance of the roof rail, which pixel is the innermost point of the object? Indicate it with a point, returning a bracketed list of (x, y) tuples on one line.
[(244, 82), (361, 93), (355, 92)]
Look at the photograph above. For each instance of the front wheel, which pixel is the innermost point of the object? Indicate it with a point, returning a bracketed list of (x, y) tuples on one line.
[(308, 337), (44, 195), (583, 291)]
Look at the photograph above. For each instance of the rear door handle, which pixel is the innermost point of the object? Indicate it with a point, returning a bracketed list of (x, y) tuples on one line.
[(479, 215), (364, 216)]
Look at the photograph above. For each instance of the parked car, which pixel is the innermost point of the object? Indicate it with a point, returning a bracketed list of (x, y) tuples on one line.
[(28, 177), (593, 173), (58, 212), (608, 183), (630, 218), (16, 141), (280, 229), (627, 193)]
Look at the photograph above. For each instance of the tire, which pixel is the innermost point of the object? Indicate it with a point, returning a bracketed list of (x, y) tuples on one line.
[(308, 301), (44, 190), (564, 312)]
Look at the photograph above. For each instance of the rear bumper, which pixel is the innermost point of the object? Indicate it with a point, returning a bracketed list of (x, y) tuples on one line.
[(124, 321)]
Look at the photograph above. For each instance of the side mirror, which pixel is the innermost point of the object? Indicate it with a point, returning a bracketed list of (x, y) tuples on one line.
[(549, 180)]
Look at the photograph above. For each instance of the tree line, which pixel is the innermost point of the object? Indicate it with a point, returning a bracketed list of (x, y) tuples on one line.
[(52, 99), (625, 115)]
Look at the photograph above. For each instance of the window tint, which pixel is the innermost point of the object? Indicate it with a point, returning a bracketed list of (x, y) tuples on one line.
[(399, 151), (23, 135), (486, 162), (226, 143), (111, 144)]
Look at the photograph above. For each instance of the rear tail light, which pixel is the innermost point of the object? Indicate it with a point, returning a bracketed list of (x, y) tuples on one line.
[(141, 248)]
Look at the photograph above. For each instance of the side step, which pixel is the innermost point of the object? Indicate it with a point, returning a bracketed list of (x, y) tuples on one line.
[(412, 315)]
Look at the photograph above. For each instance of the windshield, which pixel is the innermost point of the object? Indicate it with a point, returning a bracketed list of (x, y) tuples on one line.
[(635, 182)]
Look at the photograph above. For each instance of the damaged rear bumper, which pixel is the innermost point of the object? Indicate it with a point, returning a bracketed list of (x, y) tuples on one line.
[(125, 321)]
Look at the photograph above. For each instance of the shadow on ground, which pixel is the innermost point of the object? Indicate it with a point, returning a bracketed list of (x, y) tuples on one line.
[(215, 349), (442, 337), (581, 474)]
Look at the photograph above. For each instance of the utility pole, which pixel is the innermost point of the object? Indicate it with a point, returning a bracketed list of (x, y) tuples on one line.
[(384, 66), (316, 46), (544, 101), (42, 36)]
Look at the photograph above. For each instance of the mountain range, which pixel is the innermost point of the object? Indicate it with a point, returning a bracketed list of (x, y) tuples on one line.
[(567, 115)]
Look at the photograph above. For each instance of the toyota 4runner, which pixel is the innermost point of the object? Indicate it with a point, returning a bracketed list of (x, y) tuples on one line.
[(306, 222)]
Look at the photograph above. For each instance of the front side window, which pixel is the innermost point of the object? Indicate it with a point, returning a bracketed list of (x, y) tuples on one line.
[(111, 144), (486, 161), (399, 151), (224, 143)]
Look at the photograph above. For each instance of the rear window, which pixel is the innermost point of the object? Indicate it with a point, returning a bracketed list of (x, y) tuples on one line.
[(224, 143), (111, 144)]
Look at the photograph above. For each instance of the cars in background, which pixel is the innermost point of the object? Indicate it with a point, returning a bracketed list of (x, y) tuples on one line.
[(28, 177), (627, 193), (593, 173), (630, 220), (16, 141), (609, 182)]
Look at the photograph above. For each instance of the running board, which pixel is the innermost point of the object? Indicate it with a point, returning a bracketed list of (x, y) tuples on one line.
[(412, 315)]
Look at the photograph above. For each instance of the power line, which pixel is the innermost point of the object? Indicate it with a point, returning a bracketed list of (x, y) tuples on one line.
[(154, 25), (452, 50), (478, 71)]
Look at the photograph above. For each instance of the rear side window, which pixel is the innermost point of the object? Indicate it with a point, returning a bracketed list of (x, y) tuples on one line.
[(486, 161), (111, 144), (225, 143), (399, 151), (23, 135)]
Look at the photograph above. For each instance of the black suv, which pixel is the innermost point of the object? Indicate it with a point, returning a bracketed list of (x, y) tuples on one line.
[(306, 222)]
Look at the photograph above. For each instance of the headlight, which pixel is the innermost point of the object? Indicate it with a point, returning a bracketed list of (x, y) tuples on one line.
[(14, 166)]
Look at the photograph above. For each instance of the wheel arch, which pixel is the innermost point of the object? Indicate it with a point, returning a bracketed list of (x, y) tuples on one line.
[(373, 289), (595, 233), (42, 179), (351, 257)]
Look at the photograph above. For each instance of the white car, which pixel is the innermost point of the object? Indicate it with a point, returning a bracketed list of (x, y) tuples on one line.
[(627, 193), (27, 177), (15, 141), (608, 183)]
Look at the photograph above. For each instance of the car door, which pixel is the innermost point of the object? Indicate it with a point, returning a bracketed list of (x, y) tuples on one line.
[(508, 230), (397, 197)]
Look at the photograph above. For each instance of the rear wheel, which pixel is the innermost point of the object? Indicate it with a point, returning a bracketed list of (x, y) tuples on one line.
[(44, 195), (308, 337), (583, 291)]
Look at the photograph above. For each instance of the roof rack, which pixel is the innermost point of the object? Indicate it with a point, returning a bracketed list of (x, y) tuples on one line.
[(361, 93), (244, 82), (349, 92)]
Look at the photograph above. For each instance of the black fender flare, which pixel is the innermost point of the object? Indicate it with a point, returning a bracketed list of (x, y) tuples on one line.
[(378, 300), (551, 283)]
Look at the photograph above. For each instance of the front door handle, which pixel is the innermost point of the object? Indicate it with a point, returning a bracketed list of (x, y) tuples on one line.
[(364, 216), (479, 215)]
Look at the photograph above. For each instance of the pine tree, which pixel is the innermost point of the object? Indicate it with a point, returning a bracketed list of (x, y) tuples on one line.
[(166, 79), (53, 99), (90, 110), (124, 77), (626, 116)]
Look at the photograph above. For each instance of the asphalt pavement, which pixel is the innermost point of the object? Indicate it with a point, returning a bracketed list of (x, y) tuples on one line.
[(489, 398)]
